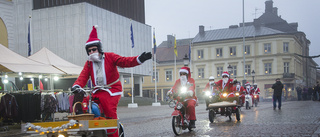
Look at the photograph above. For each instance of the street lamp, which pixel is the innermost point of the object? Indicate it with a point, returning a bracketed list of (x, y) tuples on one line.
[(253, 74), (229, 69), (186, 60)]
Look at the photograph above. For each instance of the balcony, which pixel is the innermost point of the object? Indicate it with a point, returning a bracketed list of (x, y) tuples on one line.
[(288, 75)]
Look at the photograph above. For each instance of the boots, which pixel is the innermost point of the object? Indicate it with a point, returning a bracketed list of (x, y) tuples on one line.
[(192, 124)]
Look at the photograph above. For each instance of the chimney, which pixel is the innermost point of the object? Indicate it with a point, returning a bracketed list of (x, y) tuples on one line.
[(170, 40), (201, 30), (294, 26), (269, 6), (256, 23), (275, 11)]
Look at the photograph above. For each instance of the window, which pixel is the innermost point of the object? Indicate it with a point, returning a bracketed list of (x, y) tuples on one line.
[(233, 51), (219, 52), (247, 69), (285, 47), (155, 78), (267, 68), (126, 80), (200, 73), (286, 67), (168, 75), (247, 49), (219, 71), (233, 71), (200, 54), (267, 48)]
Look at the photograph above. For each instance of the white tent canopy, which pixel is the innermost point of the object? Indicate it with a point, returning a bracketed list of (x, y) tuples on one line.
[(45, 56), (13, 62)]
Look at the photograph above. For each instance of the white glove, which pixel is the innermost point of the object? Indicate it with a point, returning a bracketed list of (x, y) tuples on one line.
[(169, 92), (190, 93)]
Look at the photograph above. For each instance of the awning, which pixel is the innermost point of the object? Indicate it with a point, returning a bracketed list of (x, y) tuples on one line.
[(13, 62), (47, 57)]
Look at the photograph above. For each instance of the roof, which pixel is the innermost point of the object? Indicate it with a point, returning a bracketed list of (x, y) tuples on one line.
[(165, 51), (233, 33), (273, 21), (13, 62), (47, 57)]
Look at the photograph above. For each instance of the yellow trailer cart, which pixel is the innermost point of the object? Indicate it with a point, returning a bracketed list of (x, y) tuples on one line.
[(83, 128)]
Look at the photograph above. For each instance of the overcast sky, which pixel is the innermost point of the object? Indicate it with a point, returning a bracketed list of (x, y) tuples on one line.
[(183, 17)]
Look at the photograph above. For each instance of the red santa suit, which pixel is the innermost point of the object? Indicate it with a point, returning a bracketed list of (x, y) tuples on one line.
[(105, 73), (226, 87), (241, 92), (191, 100), (257, 92), (211, 88)]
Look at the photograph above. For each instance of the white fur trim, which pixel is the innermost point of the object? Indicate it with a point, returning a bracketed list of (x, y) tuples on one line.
[(96, 26), (138, 60), (92, 42), (224, 74), (111, 94), (184, 70)]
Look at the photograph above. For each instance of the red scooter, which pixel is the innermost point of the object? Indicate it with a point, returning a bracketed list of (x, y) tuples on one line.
[(180, 119)]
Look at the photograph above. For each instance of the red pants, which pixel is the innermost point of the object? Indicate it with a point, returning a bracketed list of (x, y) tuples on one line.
[(191, 109), (109, 106)]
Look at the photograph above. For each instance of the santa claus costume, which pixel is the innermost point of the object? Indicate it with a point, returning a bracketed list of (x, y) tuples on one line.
[(190, 100), (105, 73)]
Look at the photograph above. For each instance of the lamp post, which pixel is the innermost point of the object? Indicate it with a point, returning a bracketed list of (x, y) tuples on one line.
[(253, 74), (186, 60)]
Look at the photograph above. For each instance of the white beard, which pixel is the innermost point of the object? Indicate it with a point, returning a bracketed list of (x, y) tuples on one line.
[(183, 80), (94, 57), (225, 80)]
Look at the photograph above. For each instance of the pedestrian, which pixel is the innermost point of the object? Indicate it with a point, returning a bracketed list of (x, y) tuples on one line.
[(277, 87), (102, 68), (304, 93), (317, 88), (299, 92)]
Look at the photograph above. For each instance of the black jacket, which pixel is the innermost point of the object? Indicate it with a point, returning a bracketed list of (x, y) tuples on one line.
[(278, 86)]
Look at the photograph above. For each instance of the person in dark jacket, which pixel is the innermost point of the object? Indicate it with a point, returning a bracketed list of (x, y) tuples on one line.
[(278, 86)]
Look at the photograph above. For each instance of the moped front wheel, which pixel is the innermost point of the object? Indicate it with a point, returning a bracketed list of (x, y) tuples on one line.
[(247, 105), (177, 125)]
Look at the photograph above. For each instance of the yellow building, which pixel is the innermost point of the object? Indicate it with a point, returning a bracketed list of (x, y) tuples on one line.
[(273, 48)]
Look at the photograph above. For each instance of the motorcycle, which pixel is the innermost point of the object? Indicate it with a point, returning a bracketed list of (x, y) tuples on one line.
[(180, 119)]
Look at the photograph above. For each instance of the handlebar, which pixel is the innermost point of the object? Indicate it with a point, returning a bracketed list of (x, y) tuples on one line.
[(88, 90)]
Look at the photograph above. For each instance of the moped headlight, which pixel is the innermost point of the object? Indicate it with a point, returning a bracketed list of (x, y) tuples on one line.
[(179, 106), (183, 89), (208, 93), (255, 96), (224, 94), (237, 94)]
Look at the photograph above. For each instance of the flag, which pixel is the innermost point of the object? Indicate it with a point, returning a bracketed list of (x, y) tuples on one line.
[(154, 43), (175, 47), (41, 85), (29, 41), (132, 36)]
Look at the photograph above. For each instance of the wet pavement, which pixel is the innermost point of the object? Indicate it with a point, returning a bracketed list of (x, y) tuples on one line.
[(296, 118)]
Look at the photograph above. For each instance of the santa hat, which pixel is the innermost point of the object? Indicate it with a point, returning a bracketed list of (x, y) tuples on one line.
[(225, 74), (93, 40), (93, 37), (247, 83), (185, 70)]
